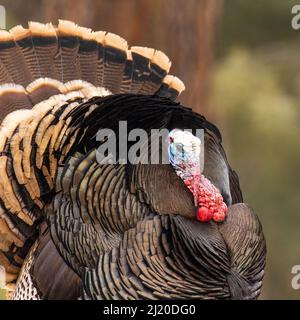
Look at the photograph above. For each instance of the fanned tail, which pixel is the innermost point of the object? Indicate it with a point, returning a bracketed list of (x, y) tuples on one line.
[(45, 72), (41, 58)]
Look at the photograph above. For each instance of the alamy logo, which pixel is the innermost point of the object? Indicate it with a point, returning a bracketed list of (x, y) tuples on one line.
[(140, 146), (296, 278), (295, 22), (2, 17), (2, 277)]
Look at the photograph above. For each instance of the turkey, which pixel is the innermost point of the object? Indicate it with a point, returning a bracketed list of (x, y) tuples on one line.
[(74, 227)]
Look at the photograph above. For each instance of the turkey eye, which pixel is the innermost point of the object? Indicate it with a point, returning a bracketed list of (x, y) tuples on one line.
[(179, 147)]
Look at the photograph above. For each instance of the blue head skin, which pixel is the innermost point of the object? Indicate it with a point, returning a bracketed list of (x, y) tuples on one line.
[(184, 153)]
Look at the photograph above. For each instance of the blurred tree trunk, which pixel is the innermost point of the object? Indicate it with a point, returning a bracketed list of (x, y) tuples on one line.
[(184, 29)]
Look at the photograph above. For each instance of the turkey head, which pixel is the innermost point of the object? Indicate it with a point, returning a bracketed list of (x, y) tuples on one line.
[(184, 155)]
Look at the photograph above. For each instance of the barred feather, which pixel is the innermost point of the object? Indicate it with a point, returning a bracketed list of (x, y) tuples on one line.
[(108, 231)]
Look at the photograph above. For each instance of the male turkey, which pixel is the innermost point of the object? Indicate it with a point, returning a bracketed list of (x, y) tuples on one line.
[(72, 227)]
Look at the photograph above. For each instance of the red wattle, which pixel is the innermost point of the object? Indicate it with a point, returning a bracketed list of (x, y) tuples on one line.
[(204, 214), (208, 199)]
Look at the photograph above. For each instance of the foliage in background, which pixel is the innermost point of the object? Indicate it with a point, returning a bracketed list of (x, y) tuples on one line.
[(259, 119), (2, 294), (256, 102)]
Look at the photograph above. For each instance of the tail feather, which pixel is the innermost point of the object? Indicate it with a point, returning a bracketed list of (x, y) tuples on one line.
[(99, 37), (88, 55), (45, 45), (141, 58), (24, 42), (13, 60), (159, 67), (127, 74), (171, 87), (5, 77), (144, 71), (67, 58), (114, 57)]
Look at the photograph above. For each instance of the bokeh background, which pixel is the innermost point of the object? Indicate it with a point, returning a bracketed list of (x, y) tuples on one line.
[(241, 65)]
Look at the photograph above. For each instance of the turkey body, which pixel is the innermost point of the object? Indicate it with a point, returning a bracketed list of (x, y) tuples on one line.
[(71, 227)]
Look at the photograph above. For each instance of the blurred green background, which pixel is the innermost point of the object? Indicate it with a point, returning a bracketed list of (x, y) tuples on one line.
[(256, 98), (2, 294), (241, 65)]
